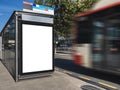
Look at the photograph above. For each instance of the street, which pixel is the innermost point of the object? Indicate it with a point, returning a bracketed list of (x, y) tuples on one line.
[(65, 62)]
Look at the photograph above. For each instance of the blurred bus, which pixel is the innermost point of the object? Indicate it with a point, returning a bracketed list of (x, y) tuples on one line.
[(96, 38)]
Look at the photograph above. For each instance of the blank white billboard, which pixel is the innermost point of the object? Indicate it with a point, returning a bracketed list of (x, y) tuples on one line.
[(37, 48)]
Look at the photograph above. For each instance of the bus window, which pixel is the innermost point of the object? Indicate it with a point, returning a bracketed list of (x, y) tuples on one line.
[(84, 32), (113, 44)]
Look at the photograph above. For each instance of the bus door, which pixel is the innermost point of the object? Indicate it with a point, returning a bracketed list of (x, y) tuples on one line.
[(112, 44), (98, 44)]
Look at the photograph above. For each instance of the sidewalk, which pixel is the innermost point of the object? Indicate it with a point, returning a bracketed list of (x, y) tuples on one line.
[(58, 81)]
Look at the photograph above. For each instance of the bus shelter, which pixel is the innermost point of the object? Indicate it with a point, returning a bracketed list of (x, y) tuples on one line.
[(27, 45)]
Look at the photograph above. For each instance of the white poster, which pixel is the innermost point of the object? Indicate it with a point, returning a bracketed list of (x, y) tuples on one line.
[(37, 49)]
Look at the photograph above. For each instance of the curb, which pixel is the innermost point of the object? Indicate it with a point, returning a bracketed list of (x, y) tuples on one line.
[(89, 80)]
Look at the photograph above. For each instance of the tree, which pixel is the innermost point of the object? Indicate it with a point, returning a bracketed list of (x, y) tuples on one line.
[(65, 11), (85, 5), (40, 2)]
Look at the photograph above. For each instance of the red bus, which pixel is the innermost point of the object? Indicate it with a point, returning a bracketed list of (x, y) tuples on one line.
[(96, 39)]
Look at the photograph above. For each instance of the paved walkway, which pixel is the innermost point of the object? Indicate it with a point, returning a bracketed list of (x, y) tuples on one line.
[(58, 81)]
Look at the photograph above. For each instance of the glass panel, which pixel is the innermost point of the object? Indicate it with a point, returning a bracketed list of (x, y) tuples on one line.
[(97, 45), (8, 46)]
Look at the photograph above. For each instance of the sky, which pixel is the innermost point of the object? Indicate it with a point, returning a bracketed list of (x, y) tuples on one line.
[(6, 9)]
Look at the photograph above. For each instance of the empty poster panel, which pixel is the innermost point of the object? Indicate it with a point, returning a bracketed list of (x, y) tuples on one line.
[(37, 48)]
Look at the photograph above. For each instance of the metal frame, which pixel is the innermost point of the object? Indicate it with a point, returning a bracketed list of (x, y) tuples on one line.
[(20, 39)]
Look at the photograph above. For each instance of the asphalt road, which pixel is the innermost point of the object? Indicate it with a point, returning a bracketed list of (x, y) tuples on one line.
[(64, 61)]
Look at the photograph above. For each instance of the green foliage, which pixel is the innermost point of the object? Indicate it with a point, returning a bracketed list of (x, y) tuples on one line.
[(65, 11), (40, 2), (85, 5)]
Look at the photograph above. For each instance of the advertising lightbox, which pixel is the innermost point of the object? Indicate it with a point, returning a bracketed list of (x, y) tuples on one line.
[(37, 48)]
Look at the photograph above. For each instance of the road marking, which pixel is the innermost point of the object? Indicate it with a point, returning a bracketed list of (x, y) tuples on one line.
[(84, 78), (67, 72), (107, 85)]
